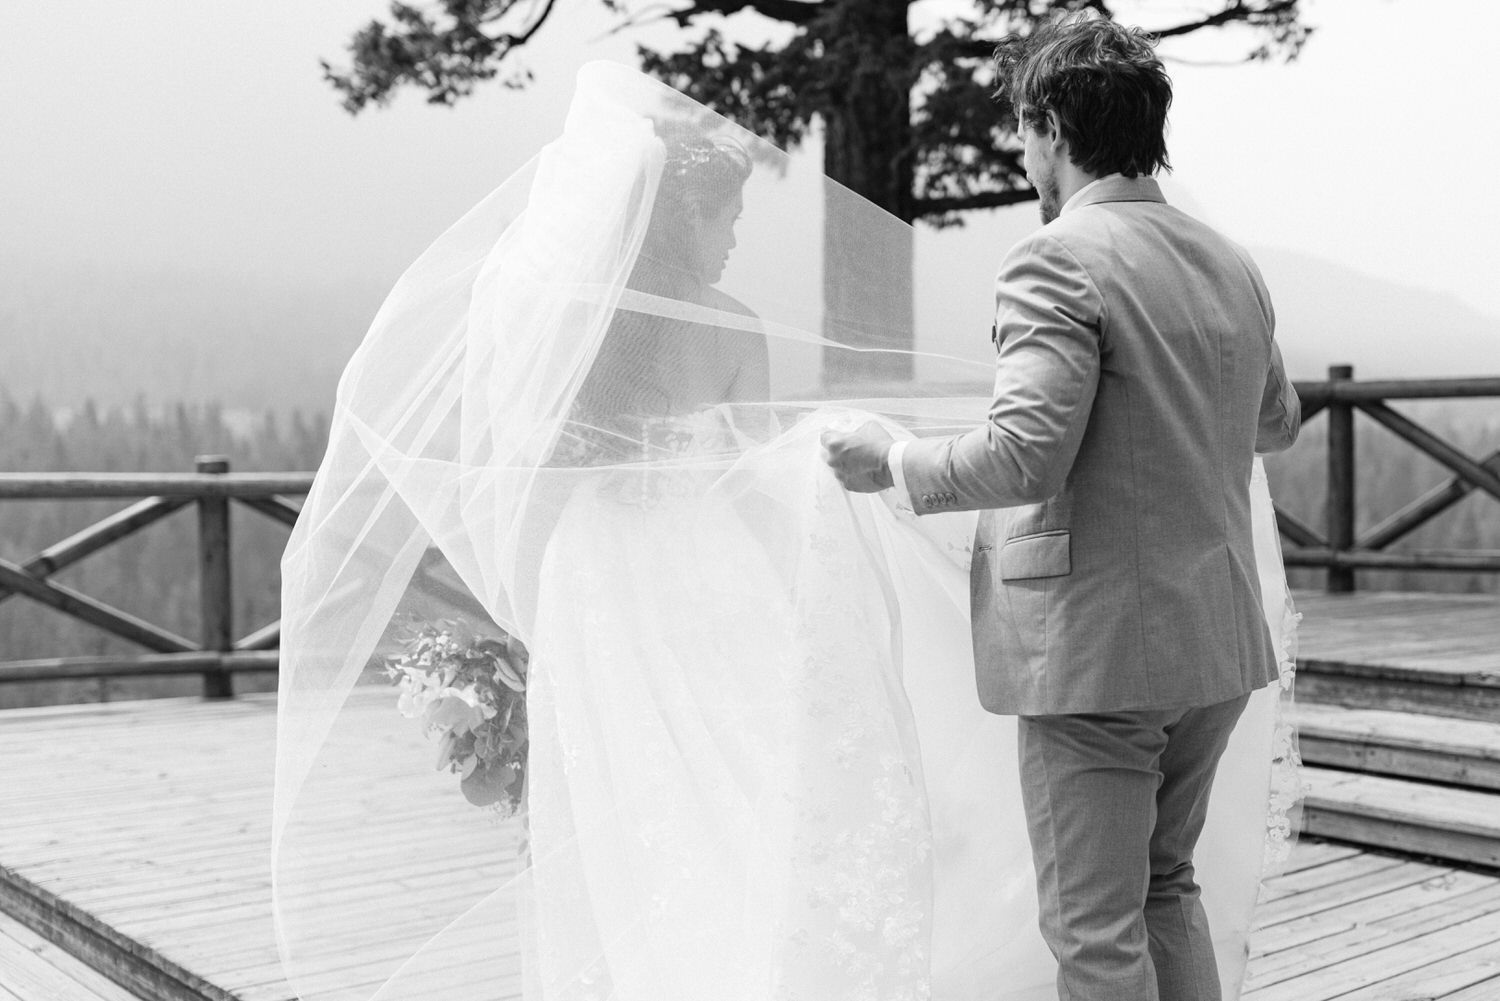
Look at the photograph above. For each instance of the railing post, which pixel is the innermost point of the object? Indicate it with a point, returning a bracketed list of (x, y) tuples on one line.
[(216, 598), (1340, 481)]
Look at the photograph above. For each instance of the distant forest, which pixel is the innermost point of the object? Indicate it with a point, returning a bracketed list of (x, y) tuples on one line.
[(153, 574)]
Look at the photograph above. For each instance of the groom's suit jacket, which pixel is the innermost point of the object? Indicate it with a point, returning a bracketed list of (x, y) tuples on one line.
[(1136, 376)]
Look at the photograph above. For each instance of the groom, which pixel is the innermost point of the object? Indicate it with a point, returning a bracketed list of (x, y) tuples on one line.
[(1116, 606)]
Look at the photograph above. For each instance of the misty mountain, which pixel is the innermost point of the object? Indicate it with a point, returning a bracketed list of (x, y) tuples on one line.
[(114, 334), (1327, 314), (69, 334)]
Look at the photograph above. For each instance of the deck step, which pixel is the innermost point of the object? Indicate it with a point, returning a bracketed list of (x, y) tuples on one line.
[(1402, 814), (1375, 686), (34, 969), (1437, 654), (1408, 745), (140, 969)]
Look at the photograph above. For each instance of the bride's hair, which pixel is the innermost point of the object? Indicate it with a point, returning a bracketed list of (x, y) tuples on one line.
[(700, 175), (701, 171)]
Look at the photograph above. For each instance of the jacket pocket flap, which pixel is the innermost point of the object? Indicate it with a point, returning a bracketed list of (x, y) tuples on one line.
[(1045, 554)]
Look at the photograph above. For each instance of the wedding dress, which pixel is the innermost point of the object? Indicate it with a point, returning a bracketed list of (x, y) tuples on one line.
[(756, 765)]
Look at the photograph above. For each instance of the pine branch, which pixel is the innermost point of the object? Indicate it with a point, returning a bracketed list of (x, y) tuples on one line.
[(981, 200), (445, 59), (789, 11), (1234, 12)]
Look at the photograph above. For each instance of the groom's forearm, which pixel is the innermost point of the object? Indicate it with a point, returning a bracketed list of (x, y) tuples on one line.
[(1022, 454), (988, 467), (1280, 409)]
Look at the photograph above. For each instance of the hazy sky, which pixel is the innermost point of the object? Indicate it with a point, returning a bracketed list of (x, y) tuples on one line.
[(197, 134), (1373, 149)]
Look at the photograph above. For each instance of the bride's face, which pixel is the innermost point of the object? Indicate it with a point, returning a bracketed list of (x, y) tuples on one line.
[(715, 237)]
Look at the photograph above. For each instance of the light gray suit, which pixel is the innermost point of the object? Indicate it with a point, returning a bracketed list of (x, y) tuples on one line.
[(1115, 600)]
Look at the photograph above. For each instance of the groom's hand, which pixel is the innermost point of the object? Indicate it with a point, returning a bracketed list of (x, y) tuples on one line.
[(858, 458)]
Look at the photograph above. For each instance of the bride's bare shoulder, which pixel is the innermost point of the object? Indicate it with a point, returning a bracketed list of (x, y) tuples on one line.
[(715, 299)]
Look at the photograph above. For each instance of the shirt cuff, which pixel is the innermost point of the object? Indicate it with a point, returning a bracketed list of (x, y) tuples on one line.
[(893, 462)]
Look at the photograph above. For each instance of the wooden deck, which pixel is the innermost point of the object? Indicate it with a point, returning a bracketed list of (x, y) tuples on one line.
[(141, 831), (138, 833)]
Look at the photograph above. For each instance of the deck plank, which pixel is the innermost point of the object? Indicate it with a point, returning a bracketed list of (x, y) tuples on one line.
[(1398, 963), (1367, 937), (1483, 990), (1353, 866), (1273, 939), (1477, 970), (1311, 854), (1366, 885)]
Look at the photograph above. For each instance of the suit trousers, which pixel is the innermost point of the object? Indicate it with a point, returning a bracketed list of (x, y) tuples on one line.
[(1114, 806)]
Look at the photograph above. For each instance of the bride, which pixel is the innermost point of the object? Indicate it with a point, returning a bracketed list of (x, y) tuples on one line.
[(755, 765)]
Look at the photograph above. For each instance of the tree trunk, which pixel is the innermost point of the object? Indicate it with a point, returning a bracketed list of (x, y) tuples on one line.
[(867, 270)]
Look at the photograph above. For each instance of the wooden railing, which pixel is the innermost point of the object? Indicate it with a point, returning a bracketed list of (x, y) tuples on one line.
[(217, 654), (1337, 548)]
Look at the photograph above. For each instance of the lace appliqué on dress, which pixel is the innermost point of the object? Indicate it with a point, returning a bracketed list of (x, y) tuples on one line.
[(861, 866), (1285, 800)]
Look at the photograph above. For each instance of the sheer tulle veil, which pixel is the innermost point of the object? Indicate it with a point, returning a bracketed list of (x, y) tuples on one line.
[(704, 724)]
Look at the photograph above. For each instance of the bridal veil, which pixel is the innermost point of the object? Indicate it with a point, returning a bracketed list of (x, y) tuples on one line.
[(704, 725)]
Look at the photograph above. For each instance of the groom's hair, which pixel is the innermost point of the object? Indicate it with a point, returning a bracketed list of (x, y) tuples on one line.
[(1106, 84)]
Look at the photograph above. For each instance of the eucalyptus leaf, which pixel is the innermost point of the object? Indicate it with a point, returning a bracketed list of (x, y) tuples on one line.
[(445, 745)]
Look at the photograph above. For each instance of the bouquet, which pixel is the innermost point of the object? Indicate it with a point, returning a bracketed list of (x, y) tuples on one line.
[(470, 692)]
